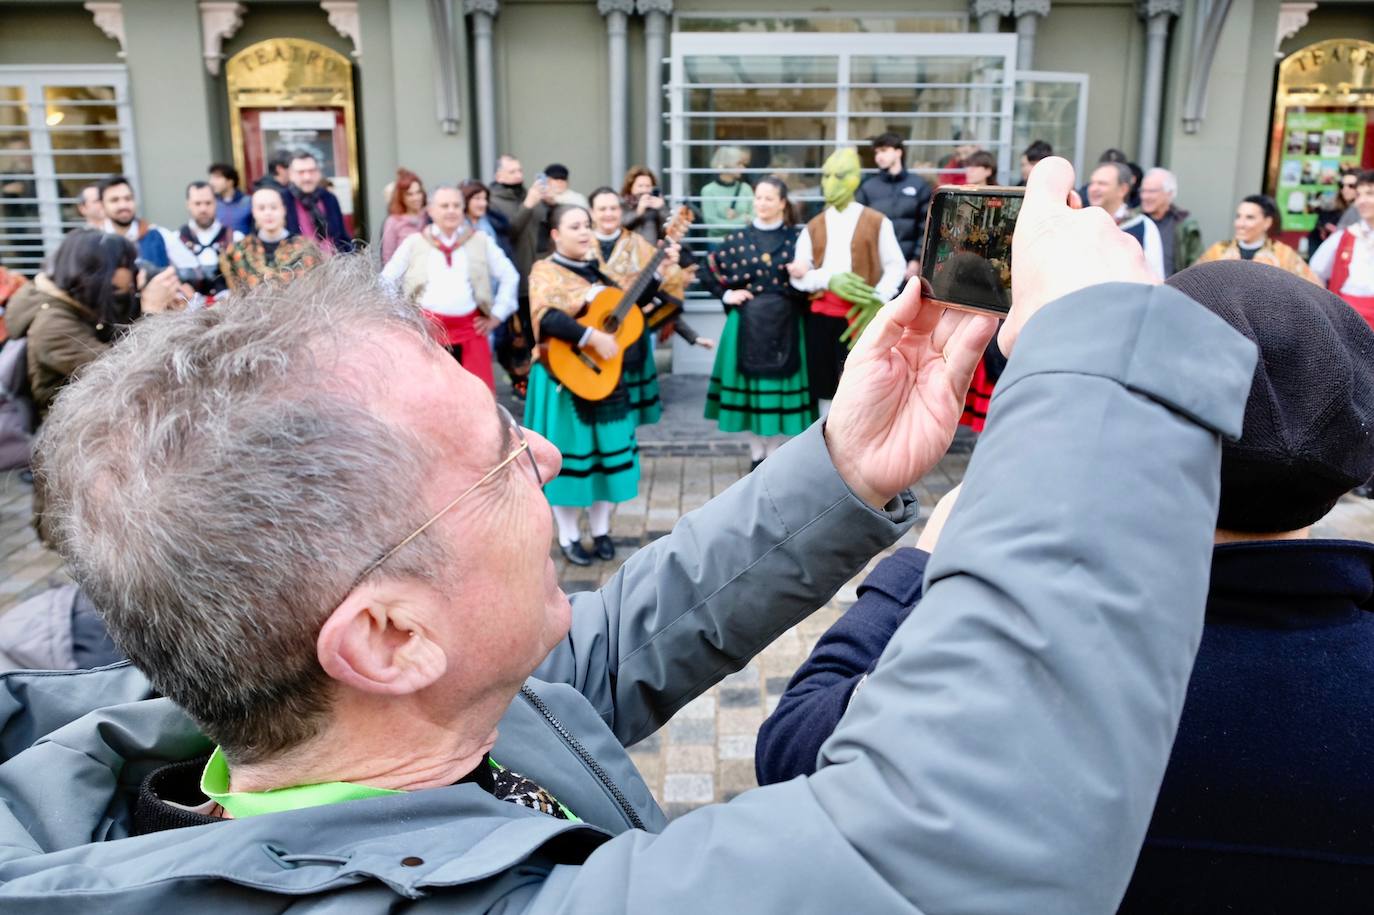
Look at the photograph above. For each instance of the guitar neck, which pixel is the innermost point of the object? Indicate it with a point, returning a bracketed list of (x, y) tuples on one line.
[(639, 285)]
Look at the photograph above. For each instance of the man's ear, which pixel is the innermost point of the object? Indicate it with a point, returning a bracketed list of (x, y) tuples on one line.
[(376, 641)]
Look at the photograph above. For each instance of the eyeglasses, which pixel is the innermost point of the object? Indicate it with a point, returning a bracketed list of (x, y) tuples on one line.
[(514, 430)]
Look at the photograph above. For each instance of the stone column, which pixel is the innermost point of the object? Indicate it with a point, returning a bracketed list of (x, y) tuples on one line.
[(988, 13), (617, 56), (484, 77), (655, 13), (1156, 14), (1026, 13)]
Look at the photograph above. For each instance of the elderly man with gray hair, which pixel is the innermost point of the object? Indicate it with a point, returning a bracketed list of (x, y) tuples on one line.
[(326, 545), (1179, 235)]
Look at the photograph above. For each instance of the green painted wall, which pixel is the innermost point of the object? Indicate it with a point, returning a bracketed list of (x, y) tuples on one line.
[(50, 34), (551, 88), (420, 143), (1224, 160)]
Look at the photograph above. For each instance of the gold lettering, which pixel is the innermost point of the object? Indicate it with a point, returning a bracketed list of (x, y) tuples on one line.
[(261, 55), (311, 58), (279, 53), (1316, 57)]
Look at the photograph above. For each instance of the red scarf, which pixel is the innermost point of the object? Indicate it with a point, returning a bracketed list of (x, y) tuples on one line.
[(464, 233)]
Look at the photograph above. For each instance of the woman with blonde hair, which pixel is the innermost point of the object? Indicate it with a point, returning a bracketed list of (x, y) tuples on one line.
[(728, 202), (1255, 218)]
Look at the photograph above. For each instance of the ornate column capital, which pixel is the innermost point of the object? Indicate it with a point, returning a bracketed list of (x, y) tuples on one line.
[(343, 15), (981, 8), (1039, 8), (219, 20), (109, 18), (607, 7), (645, 7), (1148, 9), (1292, 17), (490, 7)]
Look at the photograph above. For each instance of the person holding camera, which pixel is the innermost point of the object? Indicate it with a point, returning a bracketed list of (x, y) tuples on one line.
[(73, 312), (642, 204), (194, 250)]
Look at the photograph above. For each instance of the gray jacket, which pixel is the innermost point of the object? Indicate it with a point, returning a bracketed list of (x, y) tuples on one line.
[(1003, 757)]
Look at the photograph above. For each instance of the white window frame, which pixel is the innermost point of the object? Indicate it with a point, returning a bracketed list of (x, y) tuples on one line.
[(843, 46), (1081, 128), (33, 80)]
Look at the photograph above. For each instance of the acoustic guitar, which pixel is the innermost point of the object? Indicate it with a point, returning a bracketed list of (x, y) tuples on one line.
[(614, 311)]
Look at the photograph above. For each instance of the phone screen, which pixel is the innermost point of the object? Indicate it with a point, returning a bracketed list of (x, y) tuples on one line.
[(967, 253)]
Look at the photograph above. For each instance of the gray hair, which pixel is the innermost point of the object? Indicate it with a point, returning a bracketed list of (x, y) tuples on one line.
[(217, 482), (727, 157), (1167, 178)]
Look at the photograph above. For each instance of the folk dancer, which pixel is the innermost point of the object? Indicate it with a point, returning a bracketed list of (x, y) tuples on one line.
[(1345, 261), (622, 255), (850, 263), (195, 248), (759, 385), (597, 438), (460, 277), (270, 252)]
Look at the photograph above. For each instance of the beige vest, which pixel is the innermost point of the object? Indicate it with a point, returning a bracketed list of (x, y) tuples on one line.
[(863, 247)]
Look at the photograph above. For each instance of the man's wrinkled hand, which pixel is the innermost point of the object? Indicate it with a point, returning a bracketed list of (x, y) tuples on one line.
[(902, 393), (1060, 249)]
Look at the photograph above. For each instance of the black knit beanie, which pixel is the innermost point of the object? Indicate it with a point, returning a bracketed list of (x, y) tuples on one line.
[(1309, 422)]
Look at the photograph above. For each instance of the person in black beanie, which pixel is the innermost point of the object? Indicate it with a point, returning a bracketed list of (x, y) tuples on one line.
[(1267, 805)]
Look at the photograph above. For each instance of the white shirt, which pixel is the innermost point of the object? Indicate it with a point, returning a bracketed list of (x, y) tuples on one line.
[(448, 291), (839, 233), (1153, 245), (1360, 280), (181, 257)]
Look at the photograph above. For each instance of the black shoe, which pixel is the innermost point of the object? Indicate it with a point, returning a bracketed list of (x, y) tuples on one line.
[(575, 554), (754, 465), (605, 549)]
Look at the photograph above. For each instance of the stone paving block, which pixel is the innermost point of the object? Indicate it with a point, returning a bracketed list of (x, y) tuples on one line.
[(651, 744), (703, 706), (739, 721), (734, 777), (736, 746), (692, 730), (776, 686), (684, 788), (746, 697), (691, 758)]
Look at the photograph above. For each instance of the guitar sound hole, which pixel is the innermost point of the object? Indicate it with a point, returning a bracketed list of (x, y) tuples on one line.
[(610, 325)]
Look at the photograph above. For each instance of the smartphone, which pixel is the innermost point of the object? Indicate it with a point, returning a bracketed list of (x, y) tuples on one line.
[(654, 192), (966, 258)]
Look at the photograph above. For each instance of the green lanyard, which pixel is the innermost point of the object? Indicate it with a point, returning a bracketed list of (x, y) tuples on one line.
[(214, 783)]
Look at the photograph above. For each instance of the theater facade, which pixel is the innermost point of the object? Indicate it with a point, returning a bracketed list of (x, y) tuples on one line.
[(1217, 90)]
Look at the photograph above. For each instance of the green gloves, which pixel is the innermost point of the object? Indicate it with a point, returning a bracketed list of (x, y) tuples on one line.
[(852, 288)]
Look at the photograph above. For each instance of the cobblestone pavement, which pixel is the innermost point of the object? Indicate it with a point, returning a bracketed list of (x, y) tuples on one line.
[(706, 753)]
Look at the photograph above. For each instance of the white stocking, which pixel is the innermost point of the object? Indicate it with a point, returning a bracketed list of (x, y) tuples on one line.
[(758, 446), (774, 442), (824, 407), (599, 518), (566, 517)]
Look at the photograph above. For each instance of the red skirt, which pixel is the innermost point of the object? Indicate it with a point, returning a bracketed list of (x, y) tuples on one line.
[(468, 346), (976, 401), (1364, 304)]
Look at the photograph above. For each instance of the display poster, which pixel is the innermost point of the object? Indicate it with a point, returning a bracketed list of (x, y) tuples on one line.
[(1316, 146), (300, 130)]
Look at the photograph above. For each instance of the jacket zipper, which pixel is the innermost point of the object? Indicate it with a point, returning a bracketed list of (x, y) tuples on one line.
[(576, 746)]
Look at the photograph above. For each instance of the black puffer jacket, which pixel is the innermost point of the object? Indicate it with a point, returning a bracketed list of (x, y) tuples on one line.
[(904, 199)]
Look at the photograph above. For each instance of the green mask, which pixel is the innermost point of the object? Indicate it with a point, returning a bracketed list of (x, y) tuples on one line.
[(840, 177)]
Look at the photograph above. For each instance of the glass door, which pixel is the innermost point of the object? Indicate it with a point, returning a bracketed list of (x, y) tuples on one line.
[(60, 130), (1052, 107)]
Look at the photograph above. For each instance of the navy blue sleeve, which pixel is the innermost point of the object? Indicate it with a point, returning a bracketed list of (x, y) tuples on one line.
[(819, 691)]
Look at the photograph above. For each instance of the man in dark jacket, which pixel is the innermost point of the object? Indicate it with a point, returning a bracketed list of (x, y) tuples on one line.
[(1266, 805), (312, 210), (527, 213), (900, 195)]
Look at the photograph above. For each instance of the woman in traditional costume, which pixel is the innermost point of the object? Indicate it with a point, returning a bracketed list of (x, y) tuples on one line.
[(271, 252), (1255, 218), (622, 255), (597, 438), (760, 385)]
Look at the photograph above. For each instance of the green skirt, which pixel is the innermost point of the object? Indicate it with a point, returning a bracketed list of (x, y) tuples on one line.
[(764, 406), (600, 461), (642, 386)]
